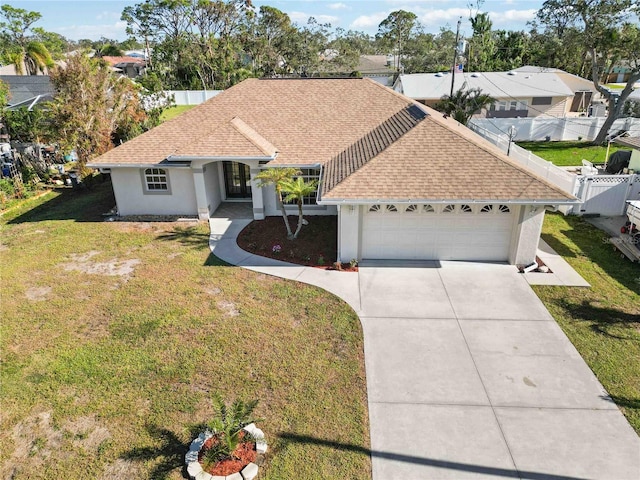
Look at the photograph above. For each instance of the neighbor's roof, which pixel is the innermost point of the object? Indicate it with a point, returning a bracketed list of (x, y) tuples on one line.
[(432, 86), (27, 87), (373, 142), (633, 142), (113, 61)]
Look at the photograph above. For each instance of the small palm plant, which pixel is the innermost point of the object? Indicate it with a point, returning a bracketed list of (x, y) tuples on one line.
[(296, 189), (278, 177), (227, 426)]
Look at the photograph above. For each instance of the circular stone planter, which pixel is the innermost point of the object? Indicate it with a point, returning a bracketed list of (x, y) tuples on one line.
[(196, 472)]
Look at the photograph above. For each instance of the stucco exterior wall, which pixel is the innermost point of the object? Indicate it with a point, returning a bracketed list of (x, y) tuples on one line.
[(271, 205), (133, 200), (527, 235), (349, 231), (212, 181)]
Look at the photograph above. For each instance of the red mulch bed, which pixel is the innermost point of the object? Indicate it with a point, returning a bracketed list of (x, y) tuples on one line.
[(244, 454), (316, 245)]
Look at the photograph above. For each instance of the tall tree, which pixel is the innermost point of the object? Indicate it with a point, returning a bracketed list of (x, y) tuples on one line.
[(20, 48), (608, 36), (396, 30), (90, 106), (482, 47)]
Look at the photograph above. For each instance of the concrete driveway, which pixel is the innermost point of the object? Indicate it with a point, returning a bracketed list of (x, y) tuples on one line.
[(468, 375)]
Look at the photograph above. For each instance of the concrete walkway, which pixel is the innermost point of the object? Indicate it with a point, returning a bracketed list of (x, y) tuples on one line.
[(468, 375)]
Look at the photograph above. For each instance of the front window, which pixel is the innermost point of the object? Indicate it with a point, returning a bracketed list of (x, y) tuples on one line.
[(308, 175), (156, 180)]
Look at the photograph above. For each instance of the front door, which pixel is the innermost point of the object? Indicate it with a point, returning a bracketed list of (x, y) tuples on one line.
[(237, 180)]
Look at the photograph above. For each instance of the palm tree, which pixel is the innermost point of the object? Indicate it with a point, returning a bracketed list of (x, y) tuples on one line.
[(277, 177), (296, 189), (463, 104), (34, 57)]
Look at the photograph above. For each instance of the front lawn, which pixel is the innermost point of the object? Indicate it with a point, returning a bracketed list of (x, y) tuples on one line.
[(114, 336), (172, 112), (567, 154), (603, 322)]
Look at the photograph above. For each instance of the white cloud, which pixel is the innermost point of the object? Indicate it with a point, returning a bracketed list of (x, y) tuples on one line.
[(115, 30), (510, 16), (108, 15), (437, 17), (368, 22), (338, 6), (302, 18)]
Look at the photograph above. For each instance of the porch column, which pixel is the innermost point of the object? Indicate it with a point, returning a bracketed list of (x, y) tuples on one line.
[(201, 193), (256, 195)]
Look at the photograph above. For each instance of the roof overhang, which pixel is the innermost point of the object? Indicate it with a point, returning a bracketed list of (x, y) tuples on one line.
[(213, 158), (407, 201), (632, 142), (137, 165)]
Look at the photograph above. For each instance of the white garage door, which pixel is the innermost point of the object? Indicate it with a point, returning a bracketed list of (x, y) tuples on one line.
[(437, 232)]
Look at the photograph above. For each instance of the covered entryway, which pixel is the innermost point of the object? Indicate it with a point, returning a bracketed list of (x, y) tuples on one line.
[(237, 180), (437, 232)]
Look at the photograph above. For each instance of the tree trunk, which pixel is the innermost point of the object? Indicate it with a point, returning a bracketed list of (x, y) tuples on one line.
[(300, 219), (615, 107), (284, 215)]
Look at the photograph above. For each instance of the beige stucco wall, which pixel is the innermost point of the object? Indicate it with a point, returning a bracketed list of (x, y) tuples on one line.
[(211, 172), (349, 231), (558, 108), (132, 200), (526, 235)]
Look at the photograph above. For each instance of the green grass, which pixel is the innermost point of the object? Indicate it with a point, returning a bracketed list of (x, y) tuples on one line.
[(603, 322), (173, 112), (111, 375), (567, 154)]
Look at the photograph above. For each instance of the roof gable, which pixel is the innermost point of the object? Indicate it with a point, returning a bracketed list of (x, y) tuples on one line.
[(232, 139)]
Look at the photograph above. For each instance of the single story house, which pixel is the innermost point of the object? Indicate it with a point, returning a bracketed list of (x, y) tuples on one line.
[(132, 67), (404, 182), (525, 92)]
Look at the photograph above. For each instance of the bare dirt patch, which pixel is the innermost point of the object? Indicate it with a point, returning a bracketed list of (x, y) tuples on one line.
[(229, 308), (88, 434), (120, 470), (37, 294), (212, 291), (34, 440), (83, 263)]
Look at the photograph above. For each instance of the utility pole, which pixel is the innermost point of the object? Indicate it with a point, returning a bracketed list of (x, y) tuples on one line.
[(455, 57)]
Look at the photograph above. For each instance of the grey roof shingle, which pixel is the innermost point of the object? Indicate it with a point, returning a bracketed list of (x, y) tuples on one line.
[(25, 87)]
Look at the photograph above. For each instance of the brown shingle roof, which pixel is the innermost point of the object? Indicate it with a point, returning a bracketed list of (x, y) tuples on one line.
[(113, 61), (356, 128), (441, 160), (370, 145)]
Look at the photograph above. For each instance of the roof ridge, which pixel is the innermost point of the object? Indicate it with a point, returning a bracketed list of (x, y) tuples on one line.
[(369, 146), (264, 145)]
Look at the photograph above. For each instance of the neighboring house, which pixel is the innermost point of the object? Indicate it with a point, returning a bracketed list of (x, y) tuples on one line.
[(378, 67), (132, 67), (525, 92), (405, 182), (26, 91)]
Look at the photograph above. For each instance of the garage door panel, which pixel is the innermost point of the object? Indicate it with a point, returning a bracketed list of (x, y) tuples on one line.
[(437, 236)]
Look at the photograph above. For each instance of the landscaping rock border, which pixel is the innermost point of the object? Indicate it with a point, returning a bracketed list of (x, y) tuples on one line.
[(195, 471)]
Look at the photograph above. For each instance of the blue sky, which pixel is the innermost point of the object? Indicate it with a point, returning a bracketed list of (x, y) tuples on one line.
[(95, 18)]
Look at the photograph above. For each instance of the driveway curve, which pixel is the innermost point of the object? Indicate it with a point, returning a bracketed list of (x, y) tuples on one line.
[(468, 375)]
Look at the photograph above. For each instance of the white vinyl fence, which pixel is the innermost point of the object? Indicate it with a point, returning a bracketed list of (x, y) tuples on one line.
[(600, 194), (606, 194), (192, 97), (570, 128)]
